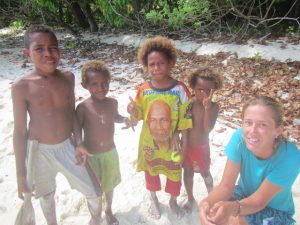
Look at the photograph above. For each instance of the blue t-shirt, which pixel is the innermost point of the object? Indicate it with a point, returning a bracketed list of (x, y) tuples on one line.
[(280, 169)]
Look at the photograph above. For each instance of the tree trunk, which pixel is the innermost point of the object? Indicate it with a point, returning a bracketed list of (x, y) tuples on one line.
[(85, 7), (79, 15)]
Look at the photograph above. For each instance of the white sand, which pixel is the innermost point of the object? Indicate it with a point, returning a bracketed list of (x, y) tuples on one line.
[(131, 198)]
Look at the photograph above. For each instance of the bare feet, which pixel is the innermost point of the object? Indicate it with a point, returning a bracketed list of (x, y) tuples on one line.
[(189, 206), (110, 218), (175, 208), (154, 210)]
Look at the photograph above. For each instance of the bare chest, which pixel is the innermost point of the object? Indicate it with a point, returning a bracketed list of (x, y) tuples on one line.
[(198, 114), (101, 115), (45, 94)]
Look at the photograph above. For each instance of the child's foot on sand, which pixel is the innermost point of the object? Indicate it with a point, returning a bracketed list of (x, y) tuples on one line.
[(154, 210), (176, 209), (189, 206), (110, 218)]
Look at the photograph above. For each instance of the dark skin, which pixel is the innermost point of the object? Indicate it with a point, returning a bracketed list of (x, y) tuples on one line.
[(159, 67), (97, 116), (204, 113), (47, 95)]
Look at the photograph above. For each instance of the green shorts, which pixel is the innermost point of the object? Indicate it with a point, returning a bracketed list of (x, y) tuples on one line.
[(106, 167)]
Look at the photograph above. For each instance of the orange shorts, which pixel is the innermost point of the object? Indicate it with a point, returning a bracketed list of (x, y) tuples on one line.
[(153, 184), (198, 158)]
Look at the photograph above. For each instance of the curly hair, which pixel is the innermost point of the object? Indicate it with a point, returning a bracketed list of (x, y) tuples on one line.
[(158, 44), (206, 73), (94, 66), (37, 28)]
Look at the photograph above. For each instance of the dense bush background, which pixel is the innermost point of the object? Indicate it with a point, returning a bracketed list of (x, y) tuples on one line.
[(230, 17)]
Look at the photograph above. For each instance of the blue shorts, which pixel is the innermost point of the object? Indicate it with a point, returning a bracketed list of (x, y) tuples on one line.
[(267, 216)]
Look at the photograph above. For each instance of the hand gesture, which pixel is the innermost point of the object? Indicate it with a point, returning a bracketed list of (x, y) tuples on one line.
[(131, 108), (207, 99), (128, 123), (81, 155)]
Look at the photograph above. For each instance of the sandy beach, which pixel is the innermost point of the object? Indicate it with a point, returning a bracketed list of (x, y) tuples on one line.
[(131, 198)]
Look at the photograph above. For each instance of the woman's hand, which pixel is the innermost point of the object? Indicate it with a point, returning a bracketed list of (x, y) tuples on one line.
[(221, 211), (204, 213)]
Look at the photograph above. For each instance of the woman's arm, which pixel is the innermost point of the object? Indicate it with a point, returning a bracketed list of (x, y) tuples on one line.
[(220, 193), (223, 210), (259, 199)]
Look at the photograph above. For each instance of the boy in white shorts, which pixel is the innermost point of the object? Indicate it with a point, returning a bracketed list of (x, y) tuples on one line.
[(47, 95)]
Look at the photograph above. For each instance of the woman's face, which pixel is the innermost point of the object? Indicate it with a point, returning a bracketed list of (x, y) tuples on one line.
[(260, 130)]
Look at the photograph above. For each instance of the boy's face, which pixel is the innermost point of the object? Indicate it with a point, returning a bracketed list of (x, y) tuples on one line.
[(43, 52), (203, 88), (97, 84), (158, 65)]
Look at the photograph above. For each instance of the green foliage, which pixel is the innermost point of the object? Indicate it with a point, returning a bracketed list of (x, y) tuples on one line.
[(185, 12), (1, 23), (112, 10), (257, 56), (293, 31), (51, 5), (154, 17), (71, 44), (17, 24)]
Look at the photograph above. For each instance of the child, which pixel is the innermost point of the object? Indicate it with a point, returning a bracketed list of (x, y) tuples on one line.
[(96, 117), (203, 81), (47, 95), (161, 103)]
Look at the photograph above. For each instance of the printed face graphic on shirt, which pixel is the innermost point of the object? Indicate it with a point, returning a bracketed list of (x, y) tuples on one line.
[(159, 122)]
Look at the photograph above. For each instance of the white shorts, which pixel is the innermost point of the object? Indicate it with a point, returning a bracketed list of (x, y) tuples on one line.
[(52, 159)]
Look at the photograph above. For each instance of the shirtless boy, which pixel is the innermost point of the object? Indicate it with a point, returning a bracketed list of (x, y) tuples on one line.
[(203, 81), (96, 117), (47, 95)]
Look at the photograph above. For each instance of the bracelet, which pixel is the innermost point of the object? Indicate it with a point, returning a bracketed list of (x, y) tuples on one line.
[(239, 209)]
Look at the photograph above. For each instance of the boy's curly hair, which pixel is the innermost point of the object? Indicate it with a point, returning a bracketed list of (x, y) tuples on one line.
[(37, 28), (94, 66), (206, 73), (159, 44)]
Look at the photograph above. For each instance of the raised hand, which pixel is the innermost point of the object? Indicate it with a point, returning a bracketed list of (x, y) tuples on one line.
[(131, 108), (207, 99)]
